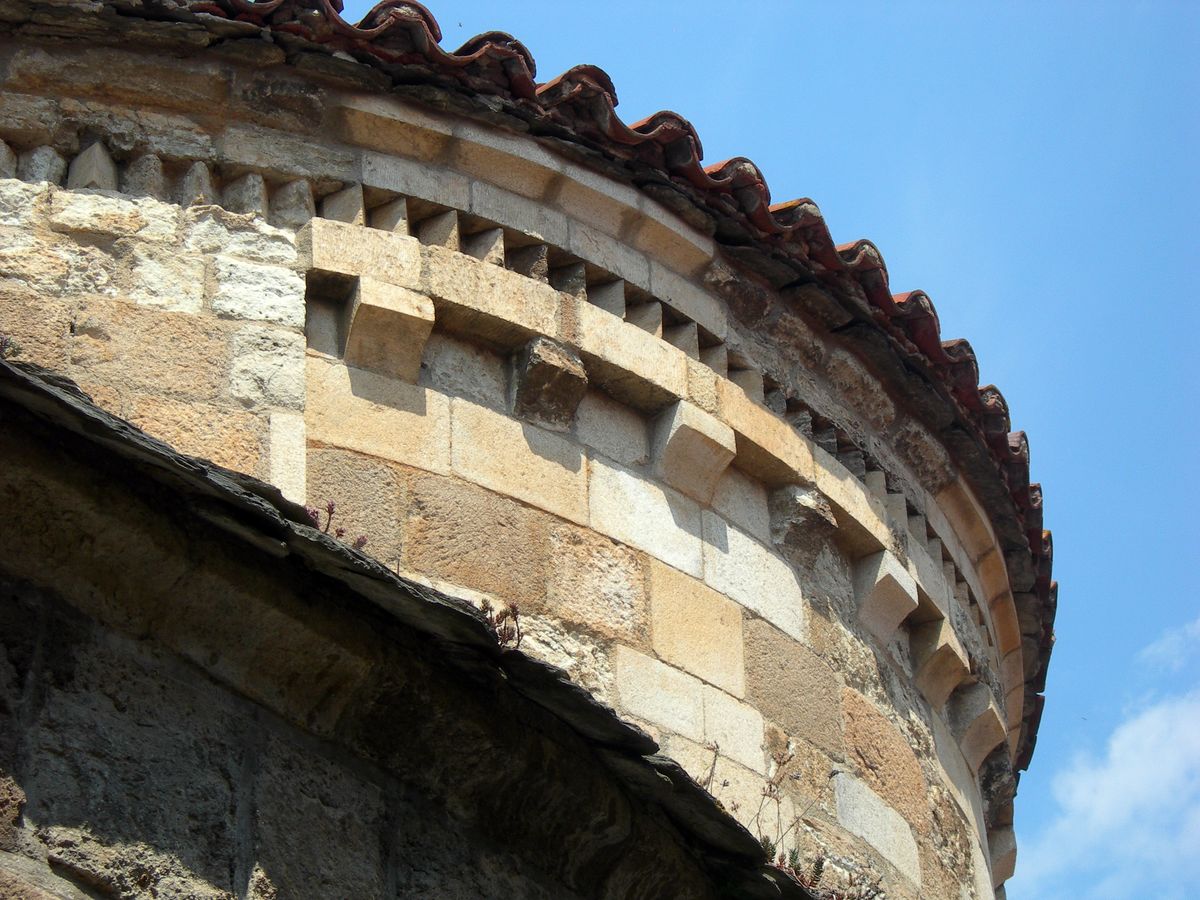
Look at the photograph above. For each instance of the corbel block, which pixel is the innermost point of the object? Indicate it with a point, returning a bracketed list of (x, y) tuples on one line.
[(939, 660), (691, 449), (886, 593), (548, 383), (386, 329), (976, 722), (93, 168)]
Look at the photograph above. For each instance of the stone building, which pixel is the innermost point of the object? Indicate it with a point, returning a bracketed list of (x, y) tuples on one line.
[(759, 523)]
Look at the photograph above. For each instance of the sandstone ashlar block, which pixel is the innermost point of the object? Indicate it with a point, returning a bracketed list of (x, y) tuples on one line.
[(597, 585), (519, 460), (976, 722), (91, 213), (288, 459), (386, 328), (246, 290), (691, 449), (939, 661), (486, 303), (328, 248), (612, 429), (863, 812), (743, 501), (686, 337), (346, 205), (93, 168), (267, 368), (213, 230), (41, 164), (609, 296), (736, 727), (1002, 842), (441, 230), (465, 369), (659, 694), (8, 161), (633, 366), (377, 415), (548, 383), (159, 276), (247, 195), (644, 514), (144, 177), (792, 686), (886, 594), (696, 629), (646, 316), (24, 205), (292, 206), (745, 570)]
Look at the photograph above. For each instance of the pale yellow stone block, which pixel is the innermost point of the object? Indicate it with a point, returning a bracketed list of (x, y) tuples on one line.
[(767, 447), (288, 455), (519, 460), (745, 570), (691, 449), (380, 416), (736, 728), (386, 329), (743, 501), (1002, 843), (630, 364), (861, 516), (659, 694), (351, 251), (696, 629), (486, 302), (345, 205), (646, 515), (612, 429)]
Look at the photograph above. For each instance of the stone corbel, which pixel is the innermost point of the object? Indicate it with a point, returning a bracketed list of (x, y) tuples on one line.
[(691, 449), (386, 328), (886, 594), (548, 383), (976, 722), (939, 661)]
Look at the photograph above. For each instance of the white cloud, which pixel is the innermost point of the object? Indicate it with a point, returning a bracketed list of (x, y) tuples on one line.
[(1175, 648), (1127, 822)]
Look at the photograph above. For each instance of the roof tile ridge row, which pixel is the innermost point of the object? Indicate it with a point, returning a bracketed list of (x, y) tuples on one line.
[(582, 103)]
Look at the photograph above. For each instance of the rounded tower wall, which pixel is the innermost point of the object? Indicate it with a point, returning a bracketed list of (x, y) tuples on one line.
[(530, 383)]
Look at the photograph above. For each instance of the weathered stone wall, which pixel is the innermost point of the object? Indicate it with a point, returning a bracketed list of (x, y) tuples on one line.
[(522, 378)]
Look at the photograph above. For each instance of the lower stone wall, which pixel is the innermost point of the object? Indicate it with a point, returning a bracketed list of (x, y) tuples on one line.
[(125, 773)]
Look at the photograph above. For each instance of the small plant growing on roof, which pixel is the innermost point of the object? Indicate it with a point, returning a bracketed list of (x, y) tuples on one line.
[(504, 622), (330, 508), (8, 347)]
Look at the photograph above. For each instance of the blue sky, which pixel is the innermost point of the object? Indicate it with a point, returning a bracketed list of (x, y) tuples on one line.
[(1034, 167)]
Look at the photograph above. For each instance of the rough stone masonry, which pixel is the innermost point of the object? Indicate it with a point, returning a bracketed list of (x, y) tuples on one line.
[(783, 586)]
